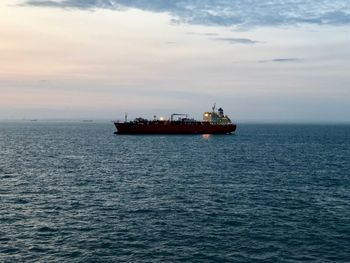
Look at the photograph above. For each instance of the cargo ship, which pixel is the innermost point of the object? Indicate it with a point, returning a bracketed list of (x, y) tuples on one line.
[(214, 122)]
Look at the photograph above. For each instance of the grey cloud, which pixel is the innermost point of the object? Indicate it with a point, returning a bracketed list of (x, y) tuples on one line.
[(202, 34), (79, 4), (230, 40), (240, 13), (237, 40), (210, 34), (281, 60)]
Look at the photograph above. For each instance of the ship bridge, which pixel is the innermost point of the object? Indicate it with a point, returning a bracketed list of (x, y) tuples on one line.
[(216, 117)]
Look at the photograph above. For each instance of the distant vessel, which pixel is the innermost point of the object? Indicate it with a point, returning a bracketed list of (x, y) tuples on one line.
[(214, 122)]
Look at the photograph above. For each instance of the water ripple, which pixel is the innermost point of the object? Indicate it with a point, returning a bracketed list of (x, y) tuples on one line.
[(78, 193)]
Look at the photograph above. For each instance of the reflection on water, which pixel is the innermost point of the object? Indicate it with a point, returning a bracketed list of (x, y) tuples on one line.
[(206, 136)]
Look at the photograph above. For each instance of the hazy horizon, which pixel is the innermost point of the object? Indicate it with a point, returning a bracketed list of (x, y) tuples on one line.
[(111, 120), (281, 61)]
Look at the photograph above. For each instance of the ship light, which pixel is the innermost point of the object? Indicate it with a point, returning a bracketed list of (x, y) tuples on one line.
[(206, 114), (161, 118)]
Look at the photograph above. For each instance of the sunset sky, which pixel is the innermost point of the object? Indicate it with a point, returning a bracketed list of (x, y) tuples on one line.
[(269, 61)]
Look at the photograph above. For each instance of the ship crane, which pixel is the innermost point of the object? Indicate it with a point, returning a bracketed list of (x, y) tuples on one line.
[(177, 114)]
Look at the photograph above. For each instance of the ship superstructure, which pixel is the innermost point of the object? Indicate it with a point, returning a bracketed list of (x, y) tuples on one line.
[(214, 122), (216, 117)]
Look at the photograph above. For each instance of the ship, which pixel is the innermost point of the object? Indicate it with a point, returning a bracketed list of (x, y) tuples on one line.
[(214, 122)]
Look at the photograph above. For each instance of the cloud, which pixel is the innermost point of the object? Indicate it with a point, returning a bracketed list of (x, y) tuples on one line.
[(80, 4), (240, 13), (230, 40), (203, 34), (281, 60), (237, 40)]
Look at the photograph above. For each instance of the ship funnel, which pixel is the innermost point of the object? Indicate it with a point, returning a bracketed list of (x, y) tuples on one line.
[(221, 112)]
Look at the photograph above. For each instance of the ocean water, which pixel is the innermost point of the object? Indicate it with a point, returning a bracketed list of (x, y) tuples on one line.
[(75, 192)]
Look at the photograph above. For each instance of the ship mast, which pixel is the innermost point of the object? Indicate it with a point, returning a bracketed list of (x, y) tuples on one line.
[(214, 107)]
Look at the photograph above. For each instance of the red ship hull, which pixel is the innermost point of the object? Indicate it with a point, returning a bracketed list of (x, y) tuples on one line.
[(166, 127)]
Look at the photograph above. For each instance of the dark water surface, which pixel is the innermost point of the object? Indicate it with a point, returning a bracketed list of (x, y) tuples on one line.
[(75, 192)]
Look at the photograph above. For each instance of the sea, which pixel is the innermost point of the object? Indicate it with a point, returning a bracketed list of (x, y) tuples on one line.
[(76, 192)]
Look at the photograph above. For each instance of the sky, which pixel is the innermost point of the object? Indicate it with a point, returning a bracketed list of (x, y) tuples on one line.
[(261, 61)]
